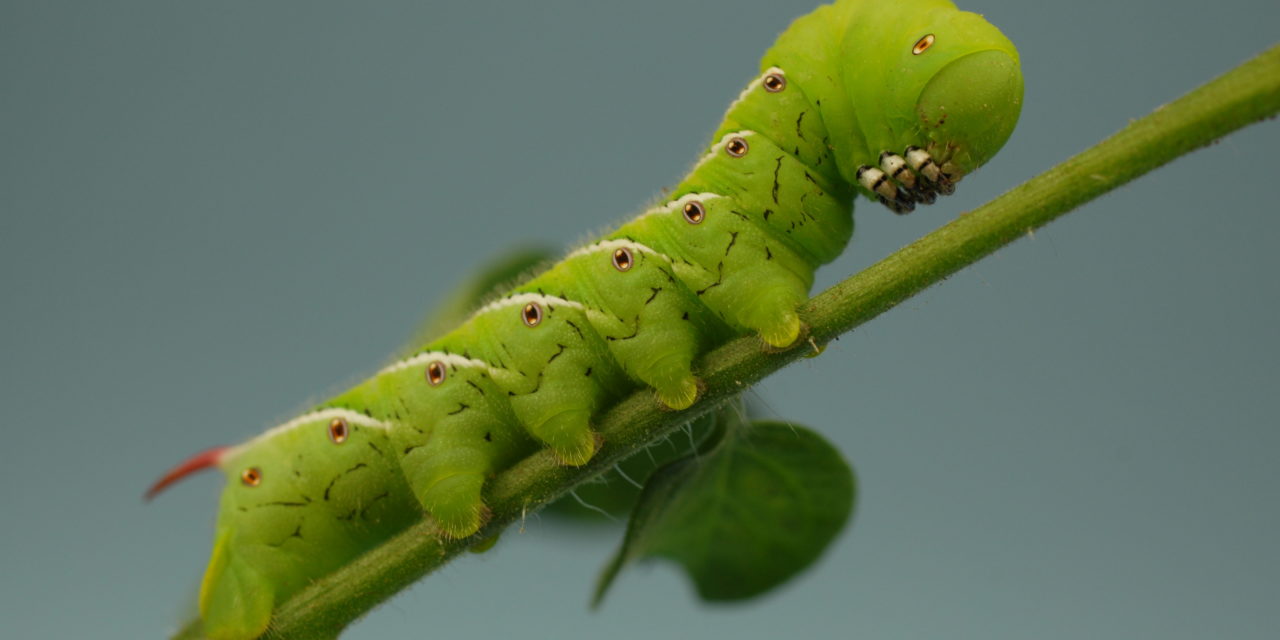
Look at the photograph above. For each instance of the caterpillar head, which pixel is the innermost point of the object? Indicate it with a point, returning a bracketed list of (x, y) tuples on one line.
[(966, 88)]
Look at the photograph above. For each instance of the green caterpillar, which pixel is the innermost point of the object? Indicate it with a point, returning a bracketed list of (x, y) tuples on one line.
[(896, 100)]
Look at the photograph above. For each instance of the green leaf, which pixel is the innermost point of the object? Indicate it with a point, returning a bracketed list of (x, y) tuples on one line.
[(758, 506)]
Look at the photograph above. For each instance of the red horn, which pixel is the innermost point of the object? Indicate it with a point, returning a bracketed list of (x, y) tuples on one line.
[(202, 460)]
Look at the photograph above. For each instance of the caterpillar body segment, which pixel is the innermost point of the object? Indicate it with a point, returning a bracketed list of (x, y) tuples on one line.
[(451, 439), (706, 237), (528, 340), (895, 100), (301, 500), (652, 325)]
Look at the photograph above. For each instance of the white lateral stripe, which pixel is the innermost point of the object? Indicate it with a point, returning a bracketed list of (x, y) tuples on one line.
[(352, 417), (679, 203), (715, 148), (450, 359), (754, 85), (613, 245), (521, 299), (746, 92)]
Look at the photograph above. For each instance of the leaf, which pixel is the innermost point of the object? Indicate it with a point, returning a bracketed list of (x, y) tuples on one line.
[(758, 507)]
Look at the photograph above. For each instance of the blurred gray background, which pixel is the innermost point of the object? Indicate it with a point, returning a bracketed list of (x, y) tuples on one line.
[(213, 213)]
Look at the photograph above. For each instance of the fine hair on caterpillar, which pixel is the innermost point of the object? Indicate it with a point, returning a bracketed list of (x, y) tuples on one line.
[(896, 101)]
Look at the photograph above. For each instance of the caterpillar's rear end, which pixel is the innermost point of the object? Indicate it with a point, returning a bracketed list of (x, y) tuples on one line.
[(894, 99)]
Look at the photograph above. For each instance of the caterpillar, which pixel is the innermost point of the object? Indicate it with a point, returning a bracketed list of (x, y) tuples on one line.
[(893, 100)]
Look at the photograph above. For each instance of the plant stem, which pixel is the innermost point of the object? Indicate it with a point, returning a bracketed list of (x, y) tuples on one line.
[(1244, 95)]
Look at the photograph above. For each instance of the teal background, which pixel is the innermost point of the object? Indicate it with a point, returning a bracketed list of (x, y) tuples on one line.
[(213, 213)]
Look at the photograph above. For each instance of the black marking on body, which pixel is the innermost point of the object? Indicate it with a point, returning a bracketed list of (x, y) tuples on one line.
[(800, 132), (804, 212), (733, 239), (814, 180), (557, 353), (375, 447), (359, 465), (670, 274), (655, 291), (685, 316), (767, 213), (475, 386), (742, 215), (462, 406), (410, 448), (364, 513), (776, 168), (285, 503), (488, 436), (537, 385), (768, 255), (575, 328), (719, 279), (588, 374), (297, 533), (634, 333)]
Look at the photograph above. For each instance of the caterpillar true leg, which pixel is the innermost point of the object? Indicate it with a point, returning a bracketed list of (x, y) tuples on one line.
[(885, 189), (922, 163)]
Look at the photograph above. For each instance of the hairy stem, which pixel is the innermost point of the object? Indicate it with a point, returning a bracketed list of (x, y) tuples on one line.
[(1247, 94)]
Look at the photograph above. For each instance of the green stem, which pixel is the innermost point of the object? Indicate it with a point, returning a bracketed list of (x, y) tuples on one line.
[(1247, 94)]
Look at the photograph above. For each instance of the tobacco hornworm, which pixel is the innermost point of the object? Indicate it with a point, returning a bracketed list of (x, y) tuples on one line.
[(894, 100)]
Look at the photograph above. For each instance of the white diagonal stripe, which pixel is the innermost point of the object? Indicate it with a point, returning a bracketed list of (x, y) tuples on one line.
[(352, 417), (755, 84), (521, 299), (679, 203), (715, 148), (450, 359), (614, 245)]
